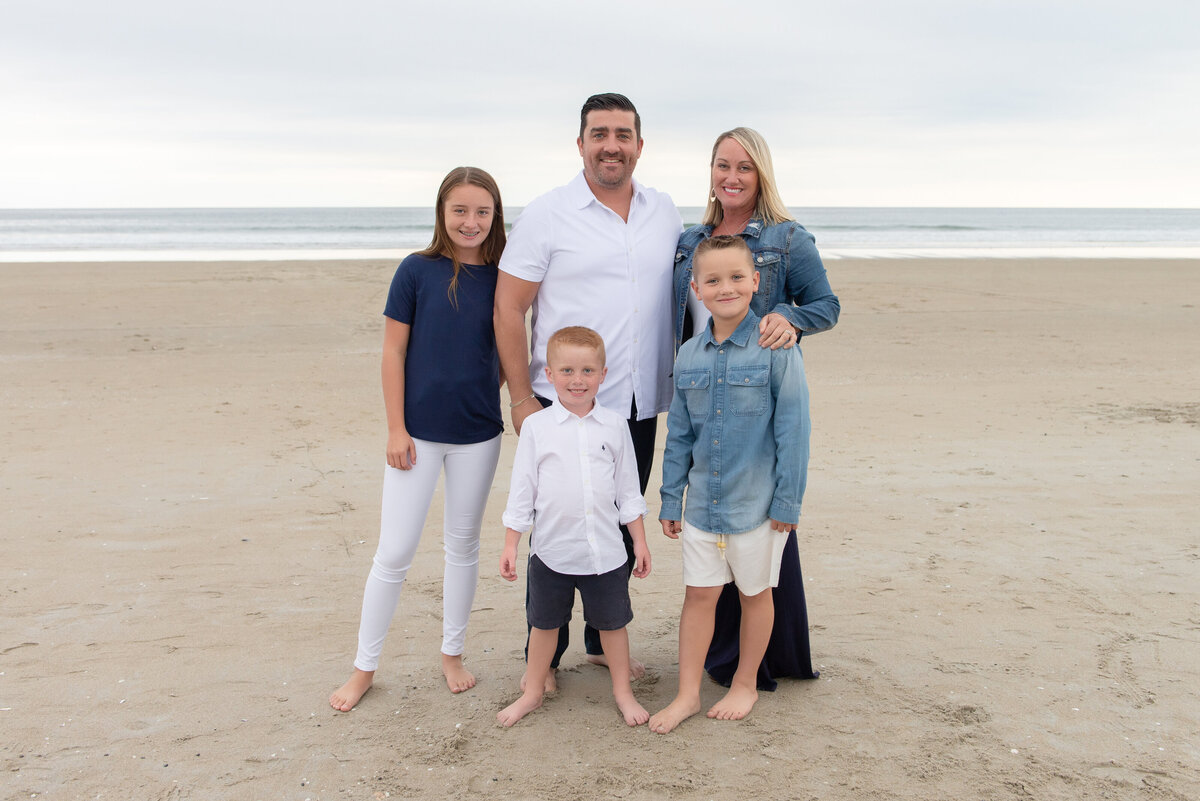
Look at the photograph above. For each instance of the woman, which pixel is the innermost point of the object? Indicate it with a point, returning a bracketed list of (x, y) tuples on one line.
[(441, 392), (793, 299)]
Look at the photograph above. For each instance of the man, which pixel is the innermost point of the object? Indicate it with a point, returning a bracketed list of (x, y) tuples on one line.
[(597, 252)]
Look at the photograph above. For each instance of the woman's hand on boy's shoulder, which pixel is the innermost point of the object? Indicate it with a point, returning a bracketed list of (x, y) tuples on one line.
[(775, 331)]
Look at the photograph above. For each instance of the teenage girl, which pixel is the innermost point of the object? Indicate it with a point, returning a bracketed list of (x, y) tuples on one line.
[(441, 389)]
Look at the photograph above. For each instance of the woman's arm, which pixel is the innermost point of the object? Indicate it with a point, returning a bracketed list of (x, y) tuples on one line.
[(809, 303), (401, 452)]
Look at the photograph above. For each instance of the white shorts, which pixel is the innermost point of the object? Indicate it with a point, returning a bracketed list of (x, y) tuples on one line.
[(750, 559)]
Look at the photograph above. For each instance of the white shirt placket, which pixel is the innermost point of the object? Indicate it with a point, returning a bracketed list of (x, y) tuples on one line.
[(589, 497)]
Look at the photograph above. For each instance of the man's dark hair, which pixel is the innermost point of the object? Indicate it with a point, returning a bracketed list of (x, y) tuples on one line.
[(609, 101)]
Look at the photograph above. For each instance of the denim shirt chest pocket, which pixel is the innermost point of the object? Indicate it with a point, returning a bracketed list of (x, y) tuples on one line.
[(694, 385), (749, 390), (769, 264)]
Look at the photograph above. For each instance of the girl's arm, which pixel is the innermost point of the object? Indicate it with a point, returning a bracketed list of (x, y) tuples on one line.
[(401, 452)]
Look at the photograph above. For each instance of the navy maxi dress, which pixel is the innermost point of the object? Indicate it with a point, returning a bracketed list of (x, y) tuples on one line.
[(788, 655)]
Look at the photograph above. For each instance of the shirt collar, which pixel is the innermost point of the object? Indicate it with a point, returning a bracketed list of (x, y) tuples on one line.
[(740, 336), (562, 414), (581, 194)]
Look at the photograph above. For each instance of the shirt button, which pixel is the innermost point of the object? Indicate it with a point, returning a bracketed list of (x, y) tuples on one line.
[(715, 473), (714, 501), (720, 380), (718, 411), (716, 441)]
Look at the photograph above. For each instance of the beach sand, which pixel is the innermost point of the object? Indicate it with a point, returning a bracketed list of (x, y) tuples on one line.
[(1000, 542)]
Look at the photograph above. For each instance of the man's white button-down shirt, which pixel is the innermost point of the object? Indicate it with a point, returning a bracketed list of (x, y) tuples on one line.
[(612, 276)]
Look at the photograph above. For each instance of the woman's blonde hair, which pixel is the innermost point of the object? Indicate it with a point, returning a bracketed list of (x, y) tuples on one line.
[(493, 245), (769, 206)]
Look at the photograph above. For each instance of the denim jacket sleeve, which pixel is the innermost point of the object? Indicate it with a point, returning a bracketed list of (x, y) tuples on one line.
[(677, 456), (809, 303), (792, 428)]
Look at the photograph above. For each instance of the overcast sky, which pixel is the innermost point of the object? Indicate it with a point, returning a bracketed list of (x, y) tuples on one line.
[(217, 103)]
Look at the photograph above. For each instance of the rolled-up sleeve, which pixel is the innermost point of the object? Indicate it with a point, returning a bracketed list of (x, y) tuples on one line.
[(630, 503), (527, 251), (522, 491)]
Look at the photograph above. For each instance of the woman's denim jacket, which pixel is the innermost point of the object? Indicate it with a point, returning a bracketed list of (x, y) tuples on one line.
[(791, 280)]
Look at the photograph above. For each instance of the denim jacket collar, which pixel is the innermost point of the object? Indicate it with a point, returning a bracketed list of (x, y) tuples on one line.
[(753, 228), (740, 336)]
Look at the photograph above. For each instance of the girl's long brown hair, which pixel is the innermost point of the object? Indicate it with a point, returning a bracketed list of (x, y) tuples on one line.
[(493, 245)]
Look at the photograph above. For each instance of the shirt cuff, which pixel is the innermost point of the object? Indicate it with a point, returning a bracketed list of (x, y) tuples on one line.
[(671, 510), (785, 513), (516, 522), (635, 511)]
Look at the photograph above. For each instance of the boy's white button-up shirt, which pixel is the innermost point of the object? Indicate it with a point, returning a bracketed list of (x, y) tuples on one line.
[(574, 481), (613, 276)]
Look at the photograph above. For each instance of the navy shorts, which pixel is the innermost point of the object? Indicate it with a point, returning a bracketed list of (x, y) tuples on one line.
[(605, 597)]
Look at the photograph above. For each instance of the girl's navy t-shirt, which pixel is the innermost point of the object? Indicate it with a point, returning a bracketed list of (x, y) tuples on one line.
[(451, 369)]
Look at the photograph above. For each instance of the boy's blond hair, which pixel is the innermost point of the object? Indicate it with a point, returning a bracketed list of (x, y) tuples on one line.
[(721, 243), (578, 335)]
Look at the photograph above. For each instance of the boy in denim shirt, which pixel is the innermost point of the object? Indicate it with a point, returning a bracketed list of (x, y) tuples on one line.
[(737, 439)]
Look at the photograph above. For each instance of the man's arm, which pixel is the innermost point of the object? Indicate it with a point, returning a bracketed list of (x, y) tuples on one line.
[(514, 296)]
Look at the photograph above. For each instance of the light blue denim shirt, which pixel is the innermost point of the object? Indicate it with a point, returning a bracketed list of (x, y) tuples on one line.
[(737, 433), (791, 277)]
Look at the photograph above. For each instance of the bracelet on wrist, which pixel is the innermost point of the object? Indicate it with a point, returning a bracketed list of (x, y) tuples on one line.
[(530, 396)]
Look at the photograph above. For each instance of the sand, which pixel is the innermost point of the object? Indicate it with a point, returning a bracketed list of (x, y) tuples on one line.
[(1000, 542)]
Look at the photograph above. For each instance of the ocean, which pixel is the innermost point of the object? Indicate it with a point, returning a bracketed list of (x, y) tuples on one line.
[(332, 233)]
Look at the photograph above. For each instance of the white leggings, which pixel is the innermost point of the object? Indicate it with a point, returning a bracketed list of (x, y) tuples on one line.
[(406, 498)]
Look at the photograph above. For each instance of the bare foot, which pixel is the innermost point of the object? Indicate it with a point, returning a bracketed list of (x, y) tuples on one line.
[(636, 668), (518, 709), (736, 704), (634, 713), (458, 678), (677, 712), (551, 684), (349, 694)]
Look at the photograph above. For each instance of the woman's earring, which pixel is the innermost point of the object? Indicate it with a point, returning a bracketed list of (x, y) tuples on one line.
[(712, 194)]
